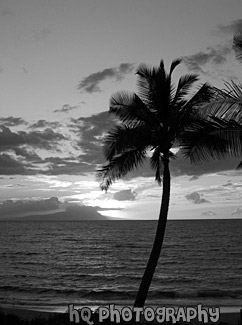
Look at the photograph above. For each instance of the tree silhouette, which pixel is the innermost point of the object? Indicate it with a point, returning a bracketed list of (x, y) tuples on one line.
[(223, 118), (161, 116)]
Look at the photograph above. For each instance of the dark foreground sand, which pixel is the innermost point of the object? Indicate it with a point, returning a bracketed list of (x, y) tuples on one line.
[(233, 318), (26, 314)]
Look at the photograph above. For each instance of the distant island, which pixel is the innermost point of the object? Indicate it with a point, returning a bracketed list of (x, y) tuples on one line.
[(71, 213)]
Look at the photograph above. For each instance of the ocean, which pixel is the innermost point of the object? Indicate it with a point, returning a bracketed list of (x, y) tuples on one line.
[(49, 265)]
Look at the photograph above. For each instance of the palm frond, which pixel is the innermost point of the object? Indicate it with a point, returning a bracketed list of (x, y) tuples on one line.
[(119, 166), (184, 85), (123, 138), (186, 112), (131, 110), (202, 96), (146, 72), (239, 165), (174, 64), (227, 103), (161, 69), (231, 132), (147, 83), (214, 139)]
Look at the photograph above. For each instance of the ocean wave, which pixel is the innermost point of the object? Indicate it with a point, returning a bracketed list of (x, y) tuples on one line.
[(236, 293), (121, 294)]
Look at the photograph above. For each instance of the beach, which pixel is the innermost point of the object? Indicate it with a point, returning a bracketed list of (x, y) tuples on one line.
[(226, 317)]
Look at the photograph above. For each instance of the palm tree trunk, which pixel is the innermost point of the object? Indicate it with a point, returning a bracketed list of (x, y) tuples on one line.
[(160, 232)]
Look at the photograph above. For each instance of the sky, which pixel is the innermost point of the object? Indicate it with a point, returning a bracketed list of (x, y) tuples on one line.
[(61, 61)]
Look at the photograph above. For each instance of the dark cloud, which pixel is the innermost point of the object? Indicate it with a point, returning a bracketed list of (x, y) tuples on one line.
[(44, 124), (28, 154), (231, 28), (65, 109), (90, 84), (20, 156), (48, 209), (12, 121), (195, 197), (91, 131), (215, 56), (17, 148), (11, 166), (125, 195), (66, 166), (47, 139), (194, 178), (8, 161), (182, 166), (97, 123), (10, 207)]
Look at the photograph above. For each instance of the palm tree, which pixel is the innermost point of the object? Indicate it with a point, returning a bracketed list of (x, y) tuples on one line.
[(158, 118), (223, 118)]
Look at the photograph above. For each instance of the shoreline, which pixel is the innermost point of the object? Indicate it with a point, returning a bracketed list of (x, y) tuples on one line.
[(227, 315), (64, 308)]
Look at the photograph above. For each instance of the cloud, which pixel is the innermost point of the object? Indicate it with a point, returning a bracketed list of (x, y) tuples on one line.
[(66, 166), (91, 131), (30, 155), (238, 211), (11, 166), (90, 84), (125, 195), (65, 109), (80, 152), (229, 183), (10, 207), (18, 150), (48, 209), (216, 56), (40, 35), (44, 124), (194, 178), (182, 166), (6, 160), (47, 139), (231, 28), (195, 197), (12, 121), (208, 213)]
